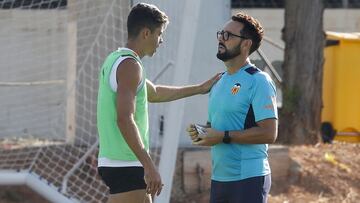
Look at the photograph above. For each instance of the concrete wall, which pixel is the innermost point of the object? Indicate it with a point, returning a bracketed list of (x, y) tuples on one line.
[(32, 49), (65, 47)]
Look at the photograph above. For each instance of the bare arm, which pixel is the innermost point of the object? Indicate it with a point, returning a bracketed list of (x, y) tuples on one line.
[(128, 76), (264, 133), (162, 93)]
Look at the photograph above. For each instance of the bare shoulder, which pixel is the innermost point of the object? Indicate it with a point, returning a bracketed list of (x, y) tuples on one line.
[(128, 72), (129, 66)]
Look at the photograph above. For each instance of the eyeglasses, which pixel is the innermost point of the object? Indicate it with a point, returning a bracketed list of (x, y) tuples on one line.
[(225, 35)]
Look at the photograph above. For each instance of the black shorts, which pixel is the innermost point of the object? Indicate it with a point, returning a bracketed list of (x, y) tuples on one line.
[(122, 179), (250, 190)]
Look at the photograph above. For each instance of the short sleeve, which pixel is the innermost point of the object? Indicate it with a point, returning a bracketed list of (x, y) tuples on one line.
[(264, 98)]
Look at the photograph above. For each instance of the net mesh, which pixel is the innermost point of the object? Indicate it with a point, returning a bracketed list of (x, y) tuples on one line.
[(50, 57)]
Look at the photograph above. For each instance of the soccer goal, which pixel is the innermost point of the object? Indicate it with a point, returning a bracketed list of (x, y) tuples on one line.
[(50, 55)]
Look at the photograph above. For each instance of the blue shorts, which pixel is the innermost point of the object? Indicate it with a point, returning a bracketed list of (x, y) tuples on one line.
[(250, 190)]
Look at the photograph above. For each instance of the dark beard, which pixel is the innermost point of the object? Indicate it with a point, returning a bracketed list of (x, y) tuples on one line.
[(229, 54)]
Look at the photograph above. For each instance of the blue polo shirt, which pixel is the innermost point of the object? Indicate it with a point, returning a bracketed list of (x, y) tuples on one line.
[(237, 102)]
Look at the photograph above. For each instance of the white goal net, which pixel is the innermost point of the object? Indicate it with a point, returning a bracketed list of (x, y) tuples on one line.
[(50, 55)]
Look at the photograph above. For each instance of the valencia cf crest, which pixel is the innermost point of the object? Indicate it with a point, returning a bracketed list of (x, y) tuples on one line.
[(235, 89)]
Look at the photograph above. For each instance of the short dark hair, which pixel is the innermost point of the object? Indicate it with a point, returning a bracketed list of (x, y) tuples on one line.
[(144, 15), (252, 29)]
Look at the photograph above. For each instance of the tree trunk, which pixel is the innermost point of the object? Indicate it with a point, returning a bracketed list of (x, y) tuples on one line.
[(300, 117)]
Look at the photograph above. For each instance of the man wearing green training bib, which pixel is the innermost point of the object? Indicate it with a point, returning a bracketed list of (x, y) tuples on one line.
[(124, 162)]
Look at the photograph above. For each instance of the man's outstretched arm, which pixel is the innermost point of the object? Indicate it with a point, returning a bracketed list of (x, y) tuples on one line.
[(162, 93)]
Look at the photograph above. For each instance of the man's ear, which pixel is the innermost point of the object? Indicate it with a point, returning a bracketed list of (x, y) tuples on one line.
[(246, 45), (145, 33)]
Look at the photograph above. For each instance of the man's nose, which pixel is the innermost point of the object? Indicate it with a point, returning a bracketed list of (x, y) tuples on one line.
[(221, 38)]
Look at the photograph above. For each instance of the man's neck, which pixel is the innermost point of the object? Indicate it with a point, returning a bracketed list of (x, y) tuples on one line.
[(233, 65), (136, 47)]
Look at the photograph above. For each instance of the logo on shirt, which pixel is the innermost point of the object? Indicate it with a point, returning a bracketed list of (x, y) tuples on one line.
[(235, 89), (272, 105)]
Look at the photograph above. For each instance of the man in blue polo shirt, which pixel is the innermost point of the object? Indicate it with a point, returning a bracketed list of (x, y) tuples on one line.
[(242, 118)]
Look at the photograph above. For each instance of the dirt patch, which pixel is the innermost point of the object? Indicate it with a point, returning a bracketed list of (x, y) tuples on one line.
[(325, 173), (322, 173)]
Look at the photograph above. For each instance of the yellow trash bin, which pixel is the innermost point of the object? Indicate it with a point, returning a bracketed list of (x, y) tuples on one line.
[(341, 86)]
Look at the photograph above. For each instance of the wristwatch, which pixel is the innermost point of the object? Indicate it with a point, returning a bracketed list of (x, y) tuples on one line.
[(226, 138)]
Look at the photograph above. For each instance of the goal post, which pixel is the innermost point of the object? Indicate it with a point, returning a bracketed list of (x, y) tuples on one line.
[(71, 73), (176, 109)]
